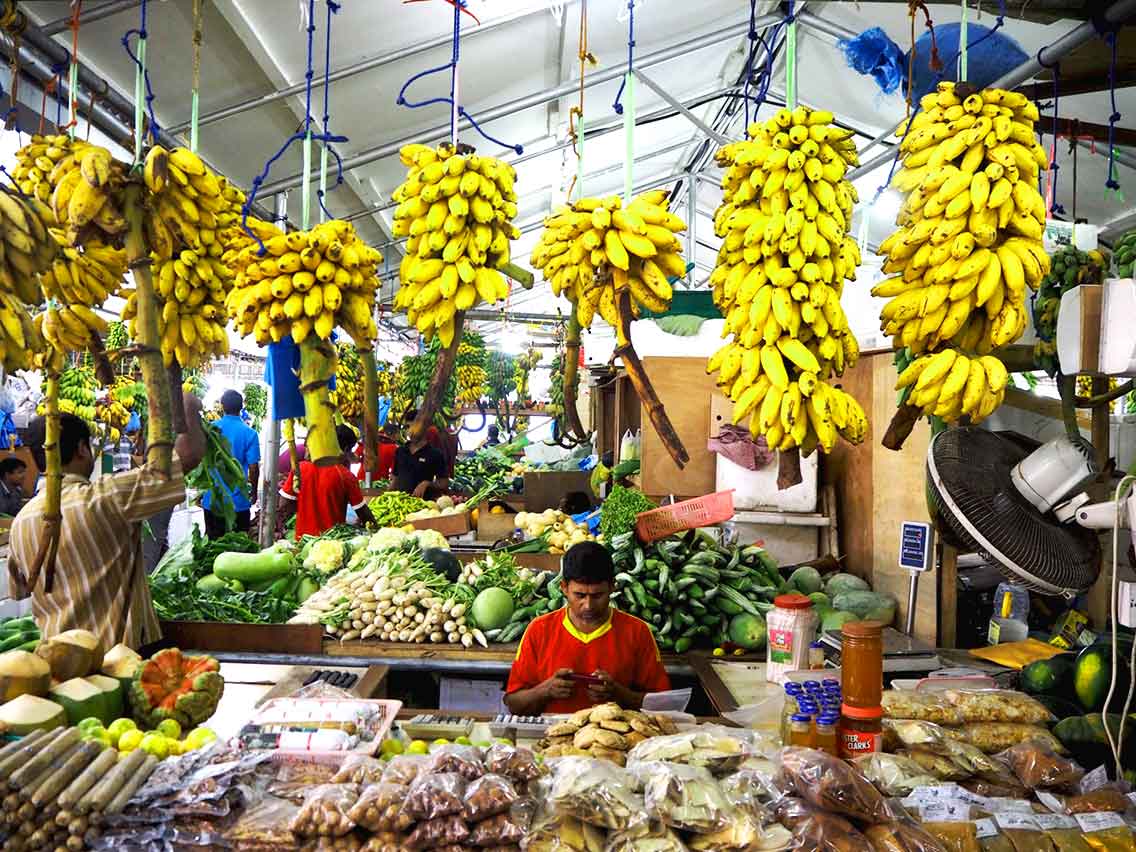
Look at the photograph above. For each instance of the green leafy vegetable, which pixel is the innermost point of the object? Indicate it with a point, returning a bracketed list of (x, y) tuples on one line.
[(619, 510), (219, 475)]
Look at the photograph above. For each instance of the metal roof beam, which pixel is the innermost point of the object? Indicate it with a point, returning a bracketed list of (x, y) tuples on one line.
[(90, 15)]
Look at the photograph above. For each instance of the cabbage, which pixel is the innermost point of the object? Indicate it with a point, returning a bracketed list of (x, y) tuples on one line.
[(326, 556), (427, 539), (387, 538)]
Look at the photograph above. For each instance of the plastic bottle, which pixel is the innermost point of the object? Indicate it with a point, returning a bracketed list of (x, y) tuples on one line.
[(1009, 621), (793, 691), (801, 732), (825, 728)]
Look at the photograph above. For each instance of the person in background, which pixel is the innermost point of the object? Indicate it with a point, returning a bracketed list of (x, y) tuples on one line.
[(245, 446), (494, 437), (575, 503), (12, 472), (100, 584), (419, 463), (614, 651), (327, 489), (388, 446)]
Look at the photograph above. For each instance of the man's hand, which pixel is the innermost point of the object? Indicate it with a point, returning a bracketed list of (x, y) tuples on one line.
[(560, 685), (421, 487), (611, 690)]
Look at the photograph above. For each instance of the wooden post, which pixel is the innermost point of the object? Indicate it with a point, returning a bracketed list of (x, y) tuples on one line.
[(370, 414), (1100, 423), (948, 595), (443, 369)]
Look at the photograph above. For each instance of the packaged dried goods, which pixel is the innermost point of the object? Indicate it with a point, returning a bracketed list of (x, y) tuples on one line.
[(514, 762), (347, 843), (923, 706), (1036, 765), (380, 808), (384, 841), (1098, 800), (997, 705), (746, 789), (647, 836), (404, 769), (552, 831), (913, 733), (503, 828), (595, 791), (996, 843), (940, 766), (488, 796), (359, 769), (684, 797), (439, 831), (292, 779), (464, 760), (992, 790), (901, 835), (977, 762), (816, 830), (433, 796), (1106, 832), (893, 774), (325, 811), (1063, 832), (744, 834), (721, 750), (954, 836), (831, 784), (993, 737)]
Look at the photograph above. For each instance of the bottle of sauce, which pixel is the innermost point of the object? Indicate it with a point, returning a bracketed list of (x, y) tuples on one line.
[(792, 628), (826, 732), (801, 732), (862, 663)]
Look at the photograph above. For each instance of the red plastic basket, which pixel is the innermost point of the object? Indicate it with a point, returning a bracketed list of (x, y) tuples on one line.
[(687, 515)]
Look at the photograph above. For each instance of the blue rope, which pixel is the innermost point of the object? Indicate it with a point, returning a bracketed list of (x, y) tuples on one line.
[(451, 66), (298, 136), (332, 8), (1112, 183), (617, 106), (141, 33)]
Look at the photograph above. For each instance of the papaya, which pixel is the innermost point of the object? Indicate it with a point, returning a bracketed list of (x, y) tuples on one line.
[(1092, 676)]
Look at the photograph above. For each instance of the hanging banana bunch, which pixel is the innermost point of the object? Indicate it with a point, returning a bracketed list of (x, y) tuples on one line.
[(968, 245), (785, 255), (26, 245), (471, 373), (457, 210), (348, 394)]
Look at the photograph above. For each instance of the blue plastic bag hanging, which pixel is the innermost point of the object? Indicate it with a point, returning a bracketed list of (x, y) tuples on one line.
[(282, 375), (9, 438), (385, 404)]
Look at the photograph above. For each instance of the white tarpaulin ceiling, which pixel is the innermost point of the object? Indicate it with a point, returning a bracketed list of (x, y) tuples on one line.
[(253, 48)]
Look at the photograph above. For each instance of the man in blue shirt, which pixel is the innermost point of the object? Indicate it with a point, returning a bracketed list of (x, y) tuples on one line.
[(245, 444)]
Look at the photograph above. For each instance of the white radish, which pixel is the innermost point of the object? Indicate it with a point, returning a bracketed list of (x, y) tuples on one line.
[(480, 637), (453, 638), (350, 634), (450, 626), (437, 636), (467, 640)]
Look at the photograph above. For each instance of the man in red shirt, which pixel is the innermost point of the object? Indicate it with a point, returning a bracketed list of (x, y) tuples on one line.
[(327, 488), (587, 652)]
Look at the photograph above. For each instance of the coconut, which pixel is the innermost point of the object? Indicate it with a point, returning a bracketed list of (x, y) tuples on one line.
[(73, 653), (122, 662), (23, 673), (29, 713)]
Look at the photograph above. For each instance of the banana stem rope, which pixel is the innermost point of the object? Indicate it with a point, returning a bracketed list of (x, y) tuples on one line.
[(370, 413), (443, 370), (571, 369)]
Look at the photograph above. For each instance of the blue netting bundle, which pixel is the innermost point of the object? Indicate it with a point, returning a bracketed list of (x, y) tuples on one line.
[(988, 57)]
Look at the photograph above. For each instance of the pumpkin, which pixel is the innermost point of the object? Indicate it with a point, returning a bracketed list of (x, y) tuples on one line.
[(173, 685)]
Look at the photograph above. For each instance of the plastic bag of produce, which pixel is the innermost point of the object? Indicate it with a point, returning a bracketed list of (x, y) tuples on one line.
[(941, 766), (504, 828), (404, 769), (325, 811), (380, 808), (433, 796), (684, 797), (595, 791), (516, 762), (831, 784), (464, 760), (1036, 765), (913, 733), (954, 836), (995, 791), (924, 706), (359, 769), (1101, 799), (1106, 832), (998, 705), (646, 835), (893, 774), (553, 831), (1063, 832), (976, 762), (747, 788), (993, 737), (488, 796), (816, 830), (440, 831), (384, 842), (347, 843), (719, 749), (744, 834), (901, 835)]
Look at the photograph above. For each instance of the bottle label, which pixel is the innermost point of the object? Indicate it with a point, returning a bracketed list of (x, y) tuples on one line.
[(855, 743), (993, 632), (781, 646)]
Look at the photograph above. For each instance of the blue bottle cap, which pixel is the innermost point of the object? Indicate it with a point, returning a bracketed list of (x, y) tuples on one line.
[(794, 688), (830, 682), (801, 717), (808, 707), (827, 719), (812, 684)]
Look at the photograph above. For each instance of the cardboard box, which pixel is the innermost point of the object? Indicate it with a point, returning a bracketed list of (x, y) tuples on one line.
[(447, 525), (494, 527), (545, 488)]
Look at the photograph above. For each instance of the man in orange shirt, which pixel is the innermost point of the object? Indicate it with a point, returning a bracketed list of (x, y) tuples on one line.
[(587, 652)]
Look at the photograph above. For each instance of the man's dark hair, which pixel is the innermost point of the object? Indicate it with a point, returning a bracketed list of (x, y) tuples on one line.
[(232, 402), (575, 502), (346, 437), (10, 465), (409, 416), (494, 431), (588, 562), (73, 431)]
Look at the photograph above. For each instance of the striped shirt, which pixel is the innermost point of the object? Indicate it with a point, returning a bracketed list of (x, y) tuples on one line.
[(100, 581)]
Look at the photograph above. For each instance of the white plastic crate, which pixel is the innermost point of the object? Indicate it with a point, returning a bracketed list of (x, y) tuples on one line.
[(757, 489)]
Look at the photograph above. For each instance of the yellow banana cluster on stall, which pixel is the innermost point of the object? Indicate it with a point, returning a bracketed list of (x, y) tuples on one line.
[(968, 245), (457, 212), (26, 250), (307, 282), (594, 249), (348, 394), (785, 255)]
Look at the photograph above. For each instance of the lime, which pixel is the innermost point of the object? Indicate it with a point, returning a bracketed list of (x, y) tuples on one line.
[(199, 737), (418, 747), (119, 727), (130, 740), (89, 724), (463, 741), (156, 745), (169, 728)]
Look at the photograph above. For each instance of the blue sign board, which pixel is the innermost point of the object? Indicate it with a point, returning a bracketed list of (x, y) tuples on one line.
[(915, 546)]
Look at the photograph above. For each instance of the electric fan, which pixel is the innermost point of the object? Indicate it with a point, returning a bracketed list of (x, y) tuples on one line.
[(991, 495)]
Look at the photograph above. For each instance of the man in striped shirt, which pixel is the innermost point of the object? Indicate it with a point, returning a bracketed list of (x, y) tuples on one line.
[(100, 583)]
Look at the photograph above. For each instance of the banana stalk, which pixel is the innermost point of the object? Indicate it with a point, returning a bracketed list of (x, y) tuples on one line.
[(317, 366), (177, 401), (575, 428), (159, 432), (370, 412), (443, 369), (52, 507), (901, 425), (288, 427), (642, 383)]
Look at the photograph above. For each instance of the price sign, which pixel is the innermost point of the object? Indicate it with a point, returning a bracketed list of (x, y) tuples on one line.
[(915, 546)]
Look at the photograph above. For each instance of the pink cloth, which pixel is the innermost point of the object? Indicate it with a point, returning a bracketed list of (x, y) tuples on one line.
[(736, 444)]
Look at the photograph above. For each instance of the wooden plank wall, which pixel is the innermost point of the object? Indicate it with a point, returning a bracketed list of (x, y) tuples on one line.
[(685, 391), (877, 489)]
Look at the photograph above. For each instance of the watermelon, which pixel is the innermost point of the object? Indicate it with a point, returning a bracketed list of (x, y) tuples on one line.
[(1048, 677), (1092, 676), (747, 631), (837, 583), (492, 608), (806, 580)]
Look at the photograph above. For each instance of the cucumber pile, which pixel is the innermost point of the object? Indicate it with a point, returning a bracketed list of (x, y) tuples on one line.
[(18, 634)]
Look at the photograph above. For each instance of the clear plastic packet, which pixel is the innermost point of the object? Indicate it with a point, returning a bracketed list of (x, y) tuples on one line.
[(652, 835), (996, 843), (1036, 765), (404, 769), (384, 841), (380, 808), (747, 790), (913, 733), (594, 791), (292, 779), (744, 834), (1069, 840), (1106, 832), (434, 796), (359, 769), (992, 790), (998, 705), (324, 812), (509, 847), (684, 797), (509, 827), (266, 823), (977, 762), (901, 835), (993, 737), (553, 831), (719, 749), (516, 762), (831, 784), (939, 766), (488, 796), (954, 836), (921, 706), (441, 831), (893, 774), (1097, 801), (464, 760), (817, 830), (352, 842)]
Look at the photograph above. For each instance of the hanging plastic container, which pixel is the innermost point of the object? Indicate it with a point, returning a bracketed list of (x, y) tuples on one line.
[(688, 515)]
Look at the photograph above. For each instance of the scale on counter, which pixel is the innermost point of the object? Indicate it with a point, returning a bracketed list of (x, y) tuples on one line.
[(522, 727), (435, 726), (902, 653)]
